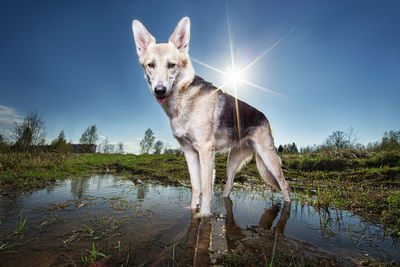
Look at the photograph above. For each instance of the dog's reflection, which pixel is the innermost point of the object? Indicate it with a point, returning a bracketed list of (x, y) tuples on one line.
[(234, 234), (198, 237), (197, 242)]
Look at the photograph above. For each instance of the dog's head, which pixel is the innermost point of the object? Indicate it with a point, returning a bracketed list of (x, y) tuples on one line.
[(166, 66)]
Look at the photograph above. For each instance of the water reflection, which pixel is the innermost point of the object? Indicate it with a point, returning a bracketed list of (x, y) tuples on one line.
[(79, 187), (153, 224), (197, 242), (198, 238), (141, 192), (234, 234)]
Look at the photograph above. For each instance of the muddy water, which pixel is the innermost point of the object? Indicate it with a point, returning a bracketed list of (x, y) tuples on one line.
[(108, 220)]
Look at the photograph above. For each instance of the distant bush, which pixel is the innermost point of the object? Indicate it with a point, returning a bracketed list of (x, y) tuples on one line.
[(323, 164), (339, 160), (390, 158)]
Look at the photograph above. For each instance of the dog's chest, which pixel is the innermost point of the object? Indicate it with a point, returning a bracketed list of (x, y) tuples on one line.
[(180, 127)]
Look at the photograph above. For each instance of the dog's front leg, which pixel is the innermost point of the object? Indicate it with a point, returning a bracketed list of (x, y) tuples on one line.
[(207, 155), (192, 160)]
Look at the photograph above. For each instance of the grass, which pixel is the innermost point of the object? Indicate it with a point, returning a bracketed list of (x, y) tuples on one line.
[(26, 171), (273, 251), (21, 223), (366, 183), (94, 255)]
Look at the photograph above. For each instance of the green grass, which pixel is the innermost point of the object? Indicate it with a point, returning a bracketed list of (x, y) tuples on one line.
[(367, 183), (21, 223), (93, 256)]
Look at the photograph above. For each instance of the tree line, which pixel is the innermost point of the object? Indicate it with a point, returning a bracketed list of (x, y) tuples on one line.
[(30, 134), (348, 139), (149, 144)]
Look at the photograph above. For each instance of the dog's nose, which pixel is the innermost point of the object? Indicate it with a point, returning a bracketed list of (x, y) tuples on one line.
[(160, 90)]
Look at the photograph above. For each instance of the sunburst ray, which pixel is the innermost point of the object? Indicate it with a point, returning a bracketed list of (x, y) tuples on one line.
[(261, 88), (208, 66), (269, 49)]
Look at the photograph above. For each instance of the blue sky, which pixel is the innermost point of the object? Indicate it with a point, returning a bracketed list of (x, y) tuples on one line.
[(75, 62)]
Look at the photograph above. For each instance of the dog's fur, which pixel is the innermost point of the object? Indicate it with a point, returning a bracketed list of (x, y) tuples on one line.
[(204, 119)]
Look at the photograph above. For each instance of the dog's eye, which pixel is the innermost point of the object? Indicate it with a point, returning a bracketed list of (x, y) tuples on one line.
[(150, 65), (171, 65)]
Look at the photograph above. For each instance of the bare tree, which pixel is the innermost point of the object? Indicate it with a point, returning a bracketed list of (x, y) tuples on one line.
[(110, 148), (105, 146), (120, 149), (147, 142), (89, 136), (32, 131), (352, 137), (158, 146), (338, 140)]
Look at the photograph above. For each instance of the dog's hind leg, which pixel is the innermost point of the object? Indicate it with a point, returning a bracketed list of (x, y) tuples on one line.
[(264, 145), (265, 174), (238, 157), (192, 160)]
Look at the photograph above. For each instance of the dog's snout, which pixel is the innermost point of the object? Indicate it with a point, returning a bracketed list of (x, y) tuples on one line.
[(160, 90)]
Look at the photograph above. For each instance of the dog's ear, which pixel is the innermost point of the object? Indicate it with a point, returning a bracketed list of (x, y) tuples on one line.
[(142, 37), (180, 37)]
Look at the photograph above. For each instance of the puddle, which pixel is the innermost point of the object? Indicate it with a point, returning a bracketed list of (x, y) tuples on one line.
[(109, 221)]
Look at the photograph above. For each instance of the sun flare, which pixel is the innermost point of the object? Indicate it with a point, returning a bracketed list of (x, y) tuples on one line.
[(234, 77)]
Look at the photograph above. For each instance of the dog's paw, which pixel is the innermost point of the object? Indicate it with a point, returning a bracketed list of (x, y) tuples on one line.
[(194, 206), (204, 213)]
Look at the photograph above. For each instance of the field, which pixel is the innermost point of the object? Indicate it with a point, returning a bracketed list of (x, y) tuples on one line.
[(366, 183)]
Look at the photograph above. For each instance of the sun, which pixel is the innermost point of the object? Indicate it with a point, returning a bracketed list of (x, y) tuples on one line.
[(234, 77)]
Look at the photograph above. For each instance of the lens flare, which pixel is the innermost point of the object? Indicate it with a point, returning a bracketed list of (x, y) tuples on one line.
[(235, 77)]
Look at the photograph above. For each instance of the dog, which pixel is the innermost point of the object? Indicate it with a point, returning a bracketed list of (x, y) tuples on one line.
[(205, 119)]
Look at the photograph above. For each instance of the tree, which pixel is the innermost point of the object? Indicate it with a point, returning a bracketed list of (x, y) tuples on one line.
[(337, 140), (288, 148), (3, 143), (309, 149), (106, 146), (89, 136), (341, 140), (390, 140), (110, 148), (158, 146), (147, 142), (280, 149), (30, 132), (120, 149), (2, 140), (61, 137), (293, 148), (60, 143), (352, 137)]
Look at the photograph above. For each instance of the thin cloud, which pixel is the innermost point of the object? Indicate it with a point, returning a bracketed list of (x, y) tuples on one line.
[(8, 117)]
